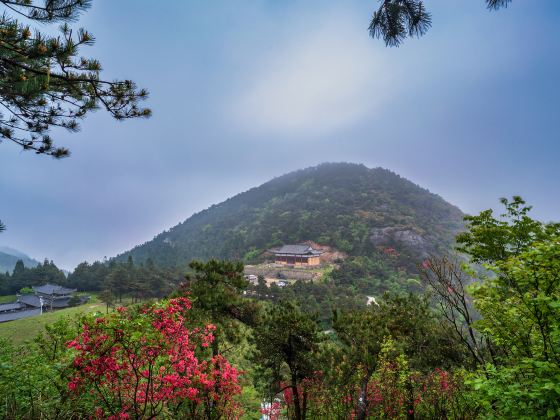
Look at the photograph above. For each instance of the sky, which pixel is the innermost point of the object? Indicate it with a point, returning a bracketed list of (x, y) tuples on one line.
[(245, 91)]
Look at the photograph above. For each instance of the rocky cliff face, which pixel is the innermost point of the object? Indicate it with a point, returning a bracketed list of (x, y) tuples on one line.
[(399, 237)]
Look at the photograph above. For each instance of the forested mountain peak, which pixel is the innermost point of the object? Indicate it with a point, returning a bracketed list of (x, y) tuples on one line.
[(358, 210)]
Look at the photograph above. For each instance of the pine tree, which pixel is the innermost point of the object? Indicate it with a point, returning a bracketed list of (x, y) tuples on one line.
[(395, 20), (216, 289), (287, 342), (45, 83)]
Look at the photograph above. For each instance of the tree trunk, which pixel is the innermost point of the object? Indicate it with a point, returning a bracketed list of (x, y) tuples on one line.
[(297, 407), (361, 411), (410, 401), (215, 347)]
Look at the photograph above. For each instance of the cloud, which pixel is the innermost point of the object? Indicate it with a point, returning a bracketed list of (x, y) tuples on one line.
[(316, 82)]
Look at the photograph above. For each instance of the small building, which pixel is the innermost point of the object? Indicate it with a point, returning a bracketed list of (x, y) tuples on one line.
[(297, 255), (252, 279), (44, 298), (53, 296)]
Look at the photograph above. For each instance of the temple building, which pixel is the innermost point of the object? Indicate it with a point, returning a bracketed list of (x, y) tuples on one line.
[(44, 298), (297, 255)]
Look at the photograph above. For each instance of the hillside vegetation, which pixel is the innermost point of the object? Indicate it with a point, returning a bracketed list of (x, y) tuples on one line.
[(385, 223)]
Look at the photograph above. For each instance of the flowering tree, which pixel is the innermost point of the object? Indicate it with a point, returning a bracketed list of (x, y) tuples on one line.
[(146, 363)]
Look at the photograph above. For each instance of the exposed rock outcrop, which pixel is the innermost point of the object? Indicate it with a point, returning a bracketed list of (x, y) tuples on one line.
[(399, 237)]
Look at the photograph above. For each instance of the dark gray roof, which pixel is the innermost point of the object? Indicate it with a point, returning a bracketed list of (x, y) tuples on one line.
[(59, 302), (30, 300), (34, 301), (52, 289), (297, 250), (5, 307), (12, 316)]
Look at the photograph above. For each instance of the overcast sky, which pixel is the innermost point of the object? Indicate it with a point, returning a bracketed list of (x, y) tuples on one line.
[(244, 91)]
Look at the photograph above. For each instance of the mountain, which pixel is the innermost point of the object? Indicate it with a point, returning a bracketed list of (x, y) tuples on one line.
[(377, 218), (9, 257)]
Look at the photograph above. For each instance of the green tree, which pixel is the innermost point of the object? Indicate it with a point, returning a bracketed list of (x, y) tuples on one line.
[(410, 323), (216, 289), (517, 302), (488, 239), (361, 335), (287, 342), (2, 226), (107, 297), (45, 83), (520, 308), (118, 280), (395, 20)]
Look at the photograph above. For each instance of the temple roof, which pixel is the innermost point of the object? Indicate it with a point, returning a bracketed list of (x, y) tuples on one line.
[(10, 306), (34, 300), (30, 300), (52, 289), (297, 250), (12, 316)]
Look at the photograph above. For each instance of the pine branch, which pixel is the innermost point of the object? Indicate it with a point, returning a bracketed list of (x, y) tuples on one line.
[(395, 20), (43, 84)]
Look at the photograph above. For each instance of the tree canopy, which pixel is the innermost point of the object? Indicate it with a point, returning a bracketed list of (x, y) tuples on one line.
[(45, 83)]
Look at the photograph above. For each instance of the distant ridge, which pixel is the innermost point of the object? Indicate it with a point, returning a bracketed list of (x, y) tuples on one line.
[(350, 207), (10, 256)]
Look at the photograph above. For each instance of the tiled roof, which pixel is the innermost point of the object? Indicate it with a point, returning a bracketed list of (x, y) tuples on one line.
[(33, 300), (297, 250), (60, 302), (30, 300), (52, 289), (12, 316), (10, 306)]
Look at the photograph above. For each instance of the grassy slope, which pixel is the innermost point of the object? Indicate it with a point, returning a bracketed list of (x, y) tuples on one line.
[(7, 299), (27, 328)]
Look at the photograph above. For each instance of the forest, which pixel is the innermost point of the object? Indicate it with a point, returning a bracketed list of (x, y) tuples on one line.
[(478, 339)]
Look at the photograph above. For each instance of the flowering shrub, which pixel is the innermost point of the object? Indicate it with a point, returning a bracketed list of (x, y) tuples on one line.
[(271, 411), (393, 392), (146, 363)]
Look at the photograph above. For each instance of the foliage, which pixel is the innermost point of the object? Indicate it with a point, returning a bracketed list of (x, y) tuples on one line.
[(413, 329), (488, 239), (447, 279), (26, 290), (516, 337), (143, 281), (287, 341), (146, 363), (394, 20), (216, 289), (394, 391), (23, 277), (313, 297), (46, 84), (33, 378), (520, 308)]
